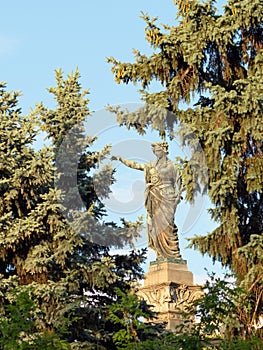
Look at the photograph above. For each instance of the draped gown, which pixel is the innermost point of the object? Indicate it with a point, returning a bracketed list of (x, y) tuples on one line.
[(162, 195)]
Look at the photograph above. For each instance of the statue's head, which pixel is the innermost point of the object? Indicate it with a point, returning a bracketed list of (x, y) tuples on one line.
[(160, 146)]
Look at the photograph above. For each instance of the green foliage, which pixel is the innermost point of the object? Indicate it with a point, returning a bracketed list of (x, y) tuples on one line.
[(135, 320), (223, 306), (223, 316), (19, 329), (164, 341), (54, 241), (213, 63), (241, 344)]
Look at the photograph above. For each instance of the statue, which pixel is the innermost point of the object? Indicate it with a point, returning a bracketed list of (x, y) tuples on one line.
[(162, 195)]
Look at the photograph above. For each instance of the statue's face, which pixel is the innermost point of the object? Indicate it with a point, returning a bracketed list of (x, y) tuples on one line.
[(158, 151)]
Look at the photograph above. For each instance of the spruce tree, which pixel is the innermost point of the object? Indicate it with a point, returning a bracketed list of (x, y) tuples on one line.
[(213, 62), (54, 241)]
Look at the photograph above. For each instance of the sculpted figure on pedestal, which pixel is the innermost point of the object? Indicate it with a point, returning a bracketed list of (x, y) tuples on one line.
[(162, 195)]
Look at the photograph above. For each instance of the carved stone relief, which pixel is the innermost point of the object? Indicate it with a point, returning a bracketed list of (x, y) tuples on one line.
[(169, 299)]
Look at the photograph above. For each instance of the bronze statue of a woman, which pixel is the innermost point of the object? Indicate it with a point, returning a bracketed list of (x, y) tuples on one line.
[(162, 195)]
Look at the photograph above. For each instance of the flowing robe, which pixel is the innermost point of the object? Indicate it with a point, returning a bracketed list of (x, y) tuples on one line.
[(162, 195)]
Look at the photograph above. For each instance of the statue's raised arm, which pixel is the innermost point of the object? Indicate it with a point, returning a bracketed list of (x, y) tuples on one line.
[(162, 195), (129, 163)]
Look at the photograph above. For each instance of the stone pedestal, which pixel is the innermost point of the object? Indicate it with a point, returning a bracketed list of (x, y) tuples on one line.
[(169, 287)]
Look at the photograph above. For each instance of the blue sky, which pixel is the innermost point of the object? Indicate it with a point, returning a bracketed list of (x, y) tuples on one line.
[(38, 37)]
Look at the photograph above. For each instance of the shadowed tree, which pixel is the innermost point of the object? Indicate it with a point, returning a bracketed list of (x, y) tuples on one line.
[(54, 241)]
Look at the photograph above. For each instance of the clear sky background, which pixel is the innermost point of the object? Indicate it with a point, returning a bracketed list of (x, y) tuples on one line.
[(38, 37)]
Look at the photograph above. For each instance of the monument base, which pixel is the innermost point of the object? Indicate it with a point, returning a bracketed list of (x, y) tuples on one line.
[(169, 287)]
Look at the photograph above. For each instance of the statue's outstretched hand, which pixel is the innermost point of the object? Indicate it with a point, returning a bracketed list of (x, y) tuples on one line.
[(115, 158)]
